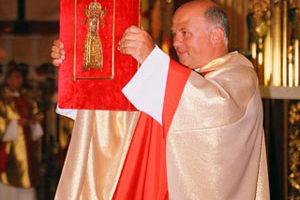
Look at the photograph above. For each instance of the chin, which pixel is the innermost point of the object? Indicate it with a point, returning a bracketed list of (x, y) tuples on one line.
[(183, 61), (187, 64)]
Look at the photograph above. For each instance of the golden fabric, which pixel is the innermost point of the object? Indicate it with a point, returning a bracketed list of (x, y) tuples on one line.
[(17, 171), (215, 146), (97, 150)]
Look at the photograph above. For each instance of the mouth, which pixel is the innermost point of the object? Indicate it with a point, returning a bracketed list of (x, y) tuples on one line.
[(182, 55), (180, 52)]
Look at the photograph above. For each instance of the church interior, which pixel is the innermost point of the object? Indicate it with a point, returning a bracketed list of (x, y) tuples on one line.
[(267, 32)]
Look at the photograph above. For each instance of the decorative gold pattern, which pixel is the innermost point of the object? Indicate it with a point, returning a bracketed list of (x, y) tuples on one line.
[(261, 17), (259, 20), (274, 30), (101, 77), (93, 53), (294, 152), (294, 23), (18, 171), (104, 145), (202, 129)]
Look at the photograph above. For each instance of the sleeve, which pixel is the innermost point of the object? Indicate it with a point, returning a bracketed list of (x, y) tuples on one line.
[(8, 127), (11, 132), (37, 131), (146, 90), (70, 113), (219, 99)]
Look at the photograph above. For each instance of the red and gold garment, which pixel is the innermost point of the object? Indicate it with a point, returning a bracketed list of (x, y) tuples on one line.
[(209, 145), (20, 155), (90, 31)]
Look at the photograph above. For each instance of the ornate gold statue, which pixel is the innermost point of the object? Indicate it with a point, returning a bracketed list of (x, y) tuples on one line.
[(259, 22), (294, 18), (93, 54)]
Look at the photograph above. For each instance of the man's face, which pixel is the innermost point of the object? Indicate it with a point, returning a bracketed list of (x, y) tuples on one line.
[(191, 38), (15, 81)]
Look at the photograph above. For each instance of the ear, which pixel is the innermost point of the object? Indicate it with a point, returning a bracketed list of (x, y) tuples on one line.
[(217, 36)]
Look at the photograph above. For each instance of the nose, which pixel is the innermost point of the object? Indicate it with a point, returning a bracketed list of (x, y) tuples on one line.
[(176, 41)]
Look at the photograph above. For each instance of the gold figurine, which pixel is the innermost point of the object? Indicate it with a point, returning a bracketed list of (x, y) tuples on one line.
[(260, 20), (93, 54)]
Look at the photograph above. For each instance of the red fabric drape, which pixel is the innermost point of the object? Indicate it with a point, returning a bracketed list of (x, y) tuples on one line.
[(144, 173)]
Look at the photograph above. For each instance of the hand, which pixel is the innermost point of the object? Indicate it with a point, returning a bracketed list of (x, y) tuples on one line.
[(137, 43), (57, 52)]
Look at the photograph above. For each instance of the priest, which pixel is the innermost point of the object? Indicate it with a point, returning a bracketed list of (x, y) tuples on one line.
[(198, 133)]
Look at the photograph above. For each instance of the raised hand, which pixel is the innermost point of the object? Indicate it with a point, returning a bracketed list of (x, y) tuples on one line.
[(137, 43), (57, 52)]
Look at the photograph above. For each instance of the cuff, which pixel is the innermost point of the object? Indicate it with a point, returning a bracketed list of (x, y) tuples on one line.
[(70, 113), (146, 89)]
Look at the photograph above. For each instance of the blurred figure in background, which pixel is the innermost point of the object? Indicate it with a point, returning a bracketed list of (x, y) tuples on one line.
[(2, 57), (2, 54), (20, 132)]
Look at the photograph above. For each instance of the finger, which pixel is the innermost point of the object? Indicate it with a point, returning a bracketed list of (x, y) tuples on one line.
[(56, 55), (131, 39), (128, 36), (132, 33), (129, 51), (133, 29), (62, 52), (133, 36), (55, 49), (130, 43), (122, 42), (132, 52), (62, 57), (58, 43), (57, 62)]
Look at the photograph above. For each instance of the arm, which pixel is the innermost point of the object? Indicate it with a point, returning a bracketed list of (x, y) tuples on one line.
[(58, 56), (146, 90)]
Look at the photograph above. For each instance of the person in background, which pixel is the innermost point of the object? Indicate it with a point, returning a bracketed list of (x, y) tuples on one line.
[(2, 54), (20, 134), (199, 133), (2, 57)]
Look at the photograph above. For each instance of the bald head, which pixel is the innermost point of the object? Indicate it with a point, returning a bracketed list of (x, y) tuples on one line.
[(196, 8), (209, 10), (200, 4), (202, 29)]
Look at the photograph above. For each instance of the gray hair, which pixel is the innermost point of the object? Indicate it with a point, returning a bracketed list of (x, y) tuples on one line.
[(219, 17)]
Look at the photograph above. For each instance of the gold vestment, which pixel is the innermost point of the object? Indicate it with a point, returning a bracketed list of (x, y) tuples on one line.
[(215, 146), (22, 153)]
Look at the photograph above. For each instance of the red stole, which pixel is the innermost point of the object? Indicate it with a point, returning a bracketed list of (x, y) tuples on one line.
[(3, 157), (144, 174), (25, 111)]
